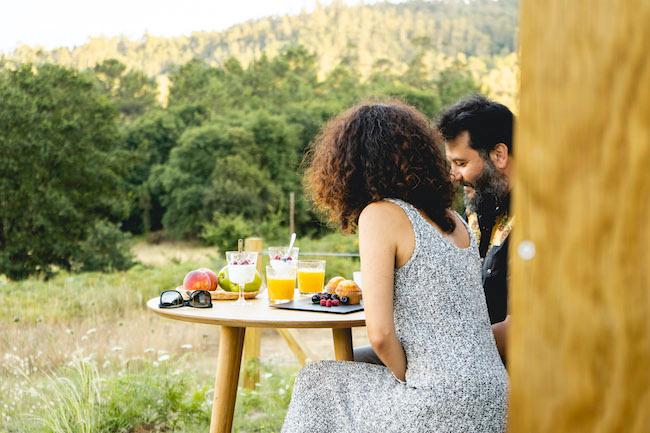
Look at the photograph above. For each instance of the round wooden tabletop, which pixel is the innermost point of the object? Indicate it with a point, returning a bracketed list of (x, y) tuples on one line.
[(258, 314)]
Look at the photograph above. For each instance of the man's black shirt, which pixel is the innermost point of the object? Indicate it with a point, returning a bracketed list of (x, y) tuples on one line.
[(495, 281), (495, 261)]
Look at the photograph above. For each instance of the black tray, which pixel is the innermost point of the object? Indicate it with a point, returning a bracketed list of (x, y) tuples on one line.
[(306, 305)]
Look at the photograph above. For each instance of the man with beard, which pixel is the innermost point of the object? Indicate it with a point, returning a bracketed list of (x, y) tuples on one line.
[(478, 144)]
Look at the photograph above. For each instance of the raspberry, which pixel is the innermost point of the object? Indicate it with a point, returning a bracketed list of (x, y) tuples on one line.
[(335, 302), (277, 257), (328, 303), (323, 302)]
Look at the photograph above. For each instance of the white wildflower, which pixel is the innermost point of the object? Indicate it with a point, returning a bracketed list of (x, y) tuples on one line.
[(187, 346), (117, 349), (149, 350), (163, 357), (91, 331)]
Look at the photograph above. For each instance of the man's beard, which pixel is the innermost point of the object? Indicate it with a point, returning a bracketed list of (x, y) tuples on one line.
[(491, 190)]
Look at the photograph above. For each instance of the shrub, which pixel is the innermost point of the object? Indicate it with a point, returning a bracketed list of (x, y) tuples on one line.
[(224, 230), (104, 249)]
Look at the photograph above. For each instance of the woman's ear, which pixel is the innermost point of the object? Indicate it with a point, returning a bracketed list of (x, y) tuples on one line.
[(500, 156)]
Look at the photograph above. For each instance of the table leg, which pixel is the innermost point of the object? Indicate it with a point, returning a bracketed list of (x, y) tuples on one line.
[(343, 344), (231, 344)]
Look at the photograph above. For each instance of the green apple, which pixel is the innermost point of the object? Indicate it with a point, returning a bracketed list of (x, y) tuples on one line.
[(228, 286)]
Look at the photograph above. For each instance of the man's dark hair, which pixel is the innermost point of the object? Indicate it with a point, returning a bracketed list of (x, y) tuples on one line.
[(487, 122)]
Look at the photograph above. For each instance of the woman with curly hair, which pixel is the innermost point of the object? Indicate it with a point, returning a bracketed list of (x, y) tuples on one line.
[(377, 169)]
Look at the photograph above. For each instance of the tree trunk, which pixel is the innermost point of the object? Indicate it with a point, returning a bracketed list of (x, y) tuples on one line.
[(580, 341)]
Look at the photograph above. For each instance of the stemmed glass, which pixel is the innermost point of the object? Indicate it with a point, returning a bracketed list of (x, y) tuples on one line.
[(242, 266)]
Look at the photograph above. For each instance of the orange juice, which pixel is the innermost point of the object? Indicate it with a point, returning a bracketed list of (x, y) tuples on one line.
[(281, 288), (311, 281)]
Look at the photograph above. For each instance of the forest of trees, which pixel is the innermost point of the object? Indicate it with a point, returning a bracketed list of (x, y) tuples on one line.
[(89, 155)]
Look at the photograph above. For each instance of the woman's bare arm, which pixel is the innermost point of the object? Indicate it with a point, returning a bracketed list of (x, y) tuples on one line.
[(378, 230)]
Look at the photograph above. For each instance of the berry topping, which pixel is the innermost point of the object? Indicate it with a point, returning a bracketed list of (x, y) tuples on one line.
[(289, 259), (277, 257)]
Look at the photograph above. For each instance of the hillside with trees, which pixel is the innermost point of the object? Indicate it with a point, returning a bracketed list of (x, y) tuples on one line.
[(363, 36)]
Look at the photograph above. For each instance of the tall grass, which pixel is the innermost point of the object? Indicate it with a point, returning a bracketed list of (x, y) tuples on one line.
[(144, 396)]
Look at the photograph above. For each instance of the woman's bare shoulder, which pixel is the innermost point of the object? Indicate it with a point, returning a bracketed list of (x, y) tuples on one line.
[(383, 214)]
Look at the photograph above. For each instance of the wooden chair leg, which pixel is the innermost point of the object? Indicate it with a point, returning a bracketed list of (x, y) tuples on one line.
[(299, 349)]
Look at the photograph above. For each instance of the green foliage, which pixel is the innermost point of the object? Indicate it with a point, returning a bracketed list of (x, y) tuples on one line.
[(151, 137), (105, 249), (62, 166), (454, 83), (156, 397), (225, 229), (132, 92)]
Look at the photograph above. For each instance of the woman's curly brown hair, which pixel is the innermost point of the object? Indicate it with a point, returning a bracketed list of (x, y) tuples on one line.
[(375, 151)]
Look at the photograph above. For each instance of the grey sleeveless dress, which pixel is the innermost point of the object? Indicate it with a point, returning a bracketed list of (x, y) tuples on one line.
[(455, 380)]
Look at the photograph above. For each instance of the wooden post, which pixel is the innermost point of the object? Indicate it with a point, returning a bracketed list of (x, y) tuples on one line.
[(292, 212), (252, 341), (580, 337)]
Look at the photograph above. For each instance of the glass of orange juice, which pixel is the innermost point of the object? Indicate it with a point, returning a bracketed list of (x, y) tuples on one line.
[(281, 284), (311, 276)]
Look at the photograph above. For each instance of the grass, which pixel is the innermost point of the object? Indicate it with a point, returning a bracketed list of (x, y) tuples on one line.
[(141, 396), (81, 354)]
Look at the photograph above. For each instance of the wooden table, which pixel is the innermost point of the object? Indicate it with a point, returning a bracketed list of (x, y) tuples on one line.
[(257, 314)]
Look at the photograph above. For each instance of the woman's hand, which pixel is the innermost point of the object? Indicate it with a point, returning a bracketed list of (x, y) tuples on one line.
[(380, 225)]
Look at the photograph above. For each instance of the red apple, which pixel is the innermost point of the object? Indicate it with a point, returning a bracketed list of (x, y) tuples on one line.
[(197, 280), (213, 278)]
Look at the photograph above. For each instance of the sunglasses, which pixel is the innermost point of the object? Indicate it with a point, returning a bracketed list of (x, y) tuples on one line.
[(174, 299)]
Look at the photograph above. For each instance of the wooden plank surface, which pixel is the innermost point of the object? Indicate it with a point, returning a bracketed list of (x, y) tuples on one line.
[(580, 337)]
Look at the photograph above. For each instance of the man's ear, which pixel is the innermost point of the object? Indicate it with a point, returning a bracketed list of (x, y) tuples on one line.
[(500, 156)]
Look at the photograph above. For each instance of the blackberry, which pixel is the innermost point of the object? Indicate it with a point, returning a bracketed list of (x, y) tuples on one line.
[(344, 300)]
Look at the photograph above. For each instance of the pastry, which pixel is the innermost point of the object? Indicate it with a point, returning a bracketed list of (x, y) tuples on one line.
[(350, 290), (331, 284)]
